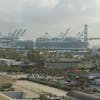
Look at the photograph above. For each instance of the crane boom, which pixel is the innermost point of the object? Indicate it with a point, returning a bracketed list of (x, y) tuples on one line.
[(18, 33), (13, 34), (66, 32), (23, 32), (95, 38)]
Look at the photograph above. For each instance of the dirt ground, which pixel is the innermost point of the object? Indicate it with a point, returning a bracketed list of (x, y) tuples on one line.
[(5, 79), (32, 87)]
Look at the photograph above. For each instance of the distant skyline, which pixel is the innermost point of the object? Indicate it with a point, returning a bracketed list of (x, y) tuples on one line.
[(52, 16)]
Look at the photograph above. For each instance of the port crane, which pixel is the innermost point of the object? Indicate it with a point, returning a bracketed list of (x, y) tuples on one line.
[(11, 37), (18, 33), (84, 35)]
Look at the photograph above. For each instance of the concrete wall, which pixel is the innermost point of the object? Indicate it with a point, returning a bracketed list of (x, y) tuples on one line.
[(15, 94)]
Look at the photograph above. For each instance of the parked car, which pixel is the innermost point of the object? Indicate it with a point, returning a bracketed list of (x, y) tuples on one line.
[(96, 82)]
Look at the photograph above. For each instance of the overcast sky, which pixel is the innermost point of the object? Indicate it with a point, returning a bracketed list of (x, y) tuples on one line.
[(53, 16)]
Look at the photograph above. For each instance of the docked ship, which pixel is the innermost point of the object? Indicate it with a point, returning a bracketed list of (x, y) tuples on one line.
[(62, 42)]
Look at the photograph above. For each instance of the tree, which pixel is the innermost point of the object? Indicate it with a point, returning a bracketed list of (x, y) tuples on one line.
[(10, 54), (68, 55)]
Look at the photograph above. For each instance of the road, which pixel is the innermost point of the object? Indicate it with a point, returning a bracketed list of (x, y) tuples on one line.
[(95, 86), (35, 88)]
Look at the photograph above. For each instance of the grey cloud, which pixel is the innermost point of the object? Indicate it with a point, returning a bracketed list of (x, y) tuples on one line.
[(49, 15)]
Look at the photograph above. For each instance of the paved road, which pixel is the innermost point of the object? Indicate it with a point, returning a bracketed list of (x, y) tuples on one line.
[(36, 88), (95, 86)]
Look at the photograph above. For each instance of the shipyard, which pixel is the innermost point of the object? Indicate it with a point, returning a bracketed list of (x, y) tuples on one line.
[(60, 43)]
